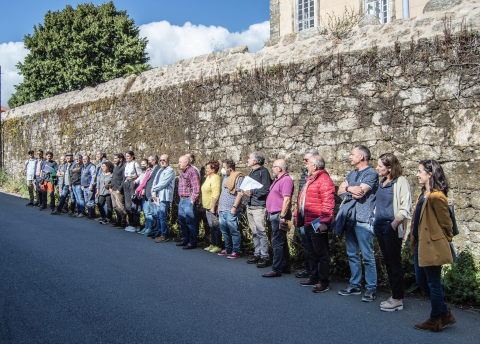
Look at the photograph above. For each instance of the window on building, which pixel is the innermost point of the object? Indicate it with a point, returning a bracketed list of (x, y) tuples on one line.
[(378, 8), (305, 14)]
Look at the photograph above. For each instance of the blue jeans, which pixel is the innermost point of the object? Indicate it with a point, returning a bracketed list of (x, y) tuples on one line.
[(89, 197), (430, 281), (63, 197), (147, 213), (188, 221), (229, 229), (360, 238), (77, 192), (162, 224)]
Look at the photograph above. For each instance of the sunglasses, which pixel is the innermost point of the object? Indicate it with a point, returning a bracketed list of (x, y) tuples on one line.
[(162, 160)]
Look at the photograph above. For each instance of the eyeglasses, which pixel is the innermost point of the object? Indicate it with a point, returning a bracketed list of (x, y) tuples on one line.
[(276, 166), (306, 160), (162, 160)]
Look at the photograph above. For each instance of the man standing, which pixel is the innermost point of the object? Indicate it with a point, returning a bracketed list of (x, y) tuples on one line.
[(256, 209), (307, 271), (362, 185), (161, 198), (230, 198), (116, 191), (66, 186), (29, 170), (279, 201), (75, 177), (147, 194), (47, 184), (38, 177), (188, 190), (315, 212), (88, 186), (101, 157), (61, 180)]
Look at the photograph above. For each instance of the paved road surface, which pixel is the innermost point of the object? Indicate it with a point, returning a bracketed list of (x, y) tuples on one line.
[(66, 280)]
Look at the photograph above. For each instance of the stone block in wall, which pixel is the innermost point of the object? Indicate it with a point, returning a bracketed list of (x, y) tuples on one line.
[(466, 128), (430, 135), (439, 5), (415, 96), (348, 123)]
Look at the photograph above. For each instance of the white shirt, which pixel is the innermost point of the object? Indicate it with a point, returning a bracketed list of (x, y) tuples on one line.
[(30, 167), (132, 169)]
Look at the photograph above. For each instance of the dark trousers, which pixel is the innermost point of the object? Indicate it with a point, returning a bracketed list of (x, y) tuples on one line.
[(39, 192), (281, 252), (102, 201), (133, 210), (304, 243), (429, 279), (317, 247), (214, 224), (391, 246)]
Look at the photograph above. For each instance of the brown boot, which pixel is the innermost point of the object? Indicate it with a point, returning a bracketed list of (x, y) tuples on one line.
[(448, 318), (432, 325)]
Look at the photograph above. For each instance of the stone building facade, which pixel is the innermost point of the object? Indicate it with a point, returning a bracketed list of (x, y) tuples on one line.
[(409, 87)]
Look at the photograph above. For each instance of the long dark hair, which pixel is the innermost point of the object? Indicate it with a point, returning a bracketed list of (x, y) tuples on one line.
[(438, 181), (132, 154)]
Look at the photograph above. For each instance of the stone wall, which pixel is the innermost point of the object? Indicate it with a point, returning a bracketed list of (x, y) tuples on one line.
[(397, 88)]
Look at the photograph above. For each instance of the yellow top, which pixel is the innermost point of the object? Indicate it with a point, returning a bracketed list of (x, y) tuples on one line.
[(211, 189)]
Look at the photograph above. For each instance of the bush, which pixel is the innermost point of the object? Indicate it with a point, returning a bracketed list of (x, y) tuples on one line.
[(461, 280), (10, 184)]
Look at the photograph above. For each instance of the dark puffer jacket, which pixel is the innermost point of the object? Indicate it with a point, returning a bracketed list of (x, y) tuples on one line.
[(319, 199)]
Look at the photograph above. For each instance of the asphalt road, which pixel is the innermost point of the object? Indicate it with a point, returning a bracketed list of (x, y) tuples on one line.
[(65, 280)]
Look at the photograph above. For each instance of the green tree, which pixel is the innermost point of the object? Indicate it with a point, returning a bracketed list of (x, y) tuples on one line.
[(76, 48)]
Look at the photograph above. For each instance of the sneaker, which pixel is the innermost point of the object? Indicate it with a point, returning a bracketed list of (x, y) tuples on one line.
[(303, 274), (370, 295), (80, 216), (263, 263), (392, 305), (43, 208), (147, 231), (319, 288), (166, 240), (216, 249), (35, 204), (224, 253), (308, 283), (350, 290), (234, 255), (104, 222), (385, 302), (137, 228), (29, 204), (130, 229), (254, 260), (209, 248), (55, 213), (142, 231), (64, 210), (71, 214), (98, 219)]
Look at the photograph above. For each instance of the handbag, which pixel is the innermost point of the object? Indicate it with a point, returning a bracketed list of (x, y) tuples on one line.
[(454, 221), (454, 253)]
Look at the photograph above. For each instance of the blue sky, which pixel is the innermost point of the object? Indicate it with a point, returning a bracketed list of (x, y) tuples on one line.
[(176, 29)]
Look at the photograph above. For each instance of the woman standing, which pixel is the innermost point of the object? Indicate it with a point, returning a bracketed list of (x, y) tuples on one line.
[(393, 209), (132, 171), (141, 182), (429, 238), (210, 195), (103, 192)]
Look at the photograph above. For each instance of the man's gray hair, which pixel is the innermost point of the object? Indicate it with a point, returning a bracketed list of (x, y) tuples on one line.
[(312, 152), (283, 166), (154, 157), (365, 151), (318, 161), (258, 157)]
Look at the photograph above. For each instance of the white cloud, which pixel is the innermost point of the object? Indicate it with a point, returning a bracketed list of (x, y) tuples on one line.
[(10, 54), (170, 43)]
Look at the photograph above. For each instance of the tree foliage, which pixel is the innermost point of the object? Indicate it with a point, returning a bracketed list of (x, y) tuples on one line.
[(80, 47)]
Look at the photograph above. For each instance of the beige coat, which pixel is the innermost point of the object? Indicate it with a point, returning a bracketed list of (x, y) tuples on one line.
[(402, 204), (434, 231)]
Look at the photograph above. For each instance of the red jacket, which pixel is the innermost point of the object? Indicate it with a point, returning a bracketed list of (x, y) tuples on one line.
[(319, 198)]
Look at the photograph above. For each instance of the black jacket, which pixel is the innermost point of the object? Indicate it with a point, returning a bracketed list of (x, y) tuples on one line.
[(303, 180), (150, 180), (75, 173), (259, 196), (118, 178)]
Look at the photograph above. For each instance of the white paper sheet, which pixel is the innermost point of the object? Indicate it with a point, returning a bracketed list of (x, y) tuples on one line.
[(47, 168), (250, 184)]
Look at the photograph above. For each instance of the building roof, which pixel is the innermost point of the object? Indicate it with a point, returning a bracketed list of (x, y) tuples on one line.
[(3, 109)]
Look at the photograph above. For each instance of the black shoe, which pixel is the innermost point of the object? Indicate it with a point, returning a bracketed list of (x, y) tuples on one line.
[(254, 260), (370, 295), (350, 290), (152, 235), (181, 244), (36, 204), (286, 271), (263, 263), (29, 204), (189, 247), (303, 274)]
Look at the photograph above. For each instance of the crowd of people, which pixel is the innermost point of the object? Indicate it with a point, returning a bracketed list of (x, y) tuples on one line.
[(371, 206)]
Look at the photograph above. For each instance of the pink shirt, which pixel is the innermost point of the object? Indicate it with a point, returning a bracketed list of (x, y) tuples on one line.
[(280, 188), (144, 181)]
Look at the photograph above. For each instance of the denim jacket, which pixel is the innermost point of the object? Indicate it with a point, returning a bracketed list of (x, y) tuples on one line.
[(164, 184)]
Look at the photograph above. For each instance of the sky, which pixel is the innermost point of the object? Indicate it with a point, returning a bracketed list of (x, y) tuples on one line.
[(175, 29)]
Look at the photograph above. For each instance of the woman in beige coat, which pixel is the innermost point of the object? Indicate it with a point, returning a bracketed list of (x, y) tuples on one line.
[(430, 242)]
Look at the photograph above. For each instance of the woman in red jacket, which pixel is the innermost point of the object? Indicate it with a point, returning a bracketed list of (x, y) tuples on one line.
[(315, 204)]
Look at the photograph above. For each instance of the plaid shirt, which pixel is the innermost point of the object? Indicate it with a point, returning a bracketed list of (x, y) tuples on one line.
[(189, 184)]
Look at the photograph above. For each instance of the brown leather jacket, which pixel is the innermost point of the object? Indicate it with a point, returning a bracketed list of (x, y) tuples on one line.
[(434, 231)]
